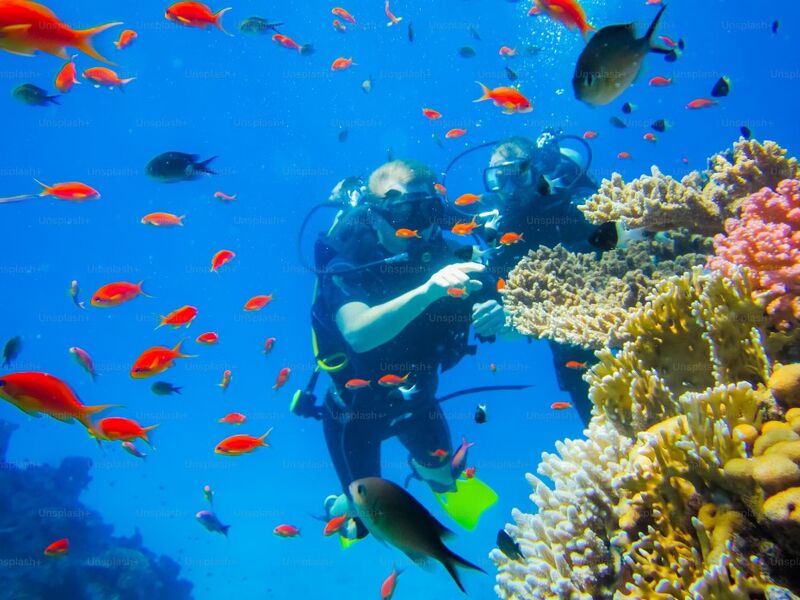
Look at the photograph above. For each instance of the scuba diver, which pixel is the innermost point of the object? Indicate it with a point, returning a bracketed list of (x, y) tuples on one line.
[(533, 188), (395, 301)]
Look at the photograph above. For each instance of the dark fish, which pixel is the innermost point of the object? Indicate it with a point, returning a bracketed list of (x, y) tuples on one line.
[(12, 349), (474, 32), (617, 122), (342, 137), (605, 237), (661, 125), (480, 414), (393, 515), (611, 61), (211, 522), (531, 50), (722, 88), (745, 131), (512, 76), (164, 388), (628, 108), (172, 167), (466, 52), (34, 96), (508, 546), (366, 85), (437, 140), (258, 25), (775, 25), (410, 32)]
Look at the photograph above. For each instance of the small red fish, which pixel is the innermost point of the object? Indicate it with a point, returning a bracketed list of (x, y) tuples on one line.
[(105, 77), (195, 14), (339, 26), (67, 76), (84, 360), (393, 380), (469, 472), (179, 317), (57, 548), (467, 199), (268, 344), (574, 364), (464, 228), (233, 419), (340, 64), (122, 429), (589, 134), (209, 338), (343, 14), (493, 367), (224, 197), (257, 302), (567, 12), (286, 42), (560, 405), (685, 160), (701, 103), (456, 292), (393, 20), (223, 257), (511, 238), (431, 114), (501, 284), (156, 360), (534, 11), (454, 133), (440, 189), (283, 377), (666, 39), (236, 445), (286, 531), (162, 219), (509, 98), (356, 384), (114, 294), (71, 190), (407, 233), (439, 453), (650, 137), (226, 380), (389, 585), (660, 81), (334, 525), (624, 155), (507, 52), (126, 38), (131, 449)]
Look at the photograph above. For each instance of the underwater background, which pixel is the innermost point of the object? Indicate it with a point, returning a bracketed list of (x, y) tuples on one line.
[(275, 119)]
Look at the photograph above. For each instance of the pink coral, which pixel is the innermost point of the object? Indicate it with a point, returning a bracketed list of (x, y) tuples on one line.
[(766, 239)]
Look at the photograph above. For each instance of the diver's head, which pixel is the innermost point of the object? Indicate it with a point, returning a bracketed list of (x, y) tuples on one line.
[(406, 206), (511, 173)]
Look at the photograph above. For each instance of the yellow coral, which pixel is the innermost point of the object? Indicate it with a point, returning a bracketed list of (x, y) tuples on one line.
[(785, 384)]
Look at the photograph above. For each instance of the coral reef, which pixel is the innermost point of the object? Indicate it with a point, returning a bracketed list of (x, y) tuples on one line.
[(699, 202), (42, 506), (577, 299), (766, 240), (671, 495)]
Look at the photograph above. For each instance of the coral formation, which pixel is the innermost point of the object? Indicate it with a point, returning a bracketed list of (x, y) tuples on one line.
[(699, 202), (766, 240), (672, 495), (44, 506), (577, 299)]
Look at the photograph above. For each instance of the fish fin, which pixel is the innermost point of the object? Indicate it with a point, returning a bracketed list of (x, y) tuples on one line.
[(14, 29), (90, 410), (125, 82), (179, 354), (85, 41), (11, 199), (225, 529), (218, 24), (203, 166), (652, 29), (47, 188), (141, 291), (450, 560), (53, 99), (184, 20), (151, 427), (264, 437), (485, 91)]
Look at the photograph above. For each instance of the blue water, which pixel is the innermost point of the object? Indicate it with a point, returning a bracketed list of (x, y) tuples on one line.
[(273, 118)]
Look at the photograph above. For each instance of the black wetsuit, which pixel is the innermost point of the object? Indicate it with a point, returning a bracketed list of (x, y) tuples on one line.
[(356, 422)]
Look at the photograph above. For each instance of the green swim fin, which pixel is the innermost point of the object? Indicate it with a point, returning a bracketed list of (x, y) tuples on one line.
[(466, 505)]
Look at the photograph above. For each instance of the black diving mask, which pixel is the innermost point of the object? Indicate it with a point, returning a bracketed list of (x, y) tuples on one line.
[(517, 172), (415, 211)]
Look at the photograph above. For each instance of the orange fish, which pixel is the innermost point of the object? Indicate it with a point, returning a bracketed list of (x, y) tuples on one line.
[(439, 453), (469, 472), (660, 81), (431, 114), (179, 317), (156, 360), (501, 284), (35, 393), (509, 98), (589, 134), (125, 39), (392, 19), (574, 364), (464, 228), (356, 384), (392, 380), (624, 155), (560, 405), (67, 76), (286, 42), (701, 103), (467, 199), (507, 52), (389, 585), (224, 197), (208, 338), (83, 358), (407, 233), (27, 27), (454, 133), (343, 14), (71, 190), (195, 14), (650, 137), (226, 380), (162, 219), (567, 12), (493, 367), (257, 302), (286, 531), (456, 292), (440, 189), (236, 445), (534, 11), (334, 525), (268, 344), (114, 294), (340, 64), (105, 77), (57, 548), (511, 238), (233, 419), (283, 377), (339, 26), (223, 257), (123, 430)]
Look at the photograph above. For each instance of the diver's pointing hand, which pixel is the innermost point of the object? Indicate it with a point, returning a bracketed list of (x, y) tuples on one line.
[(454, 276)]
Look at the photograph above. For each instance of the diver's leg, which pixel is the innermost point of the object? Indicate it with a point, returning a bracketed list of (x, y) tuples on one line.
[(571, 380), (422, 434)]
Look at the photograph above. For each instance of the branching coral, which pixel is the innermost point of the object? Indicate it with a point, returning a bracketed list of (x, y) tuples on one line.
[(699, 202), (577, 299)]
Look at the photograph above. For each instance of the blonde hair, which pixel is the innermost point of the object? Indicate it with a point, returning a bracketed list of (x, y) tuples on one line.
[(403, 172), (513, 148)]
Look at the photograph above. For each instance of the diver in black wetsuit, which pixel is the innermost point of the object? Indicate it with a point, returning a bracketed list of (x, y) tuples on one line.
[(396, 318)]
